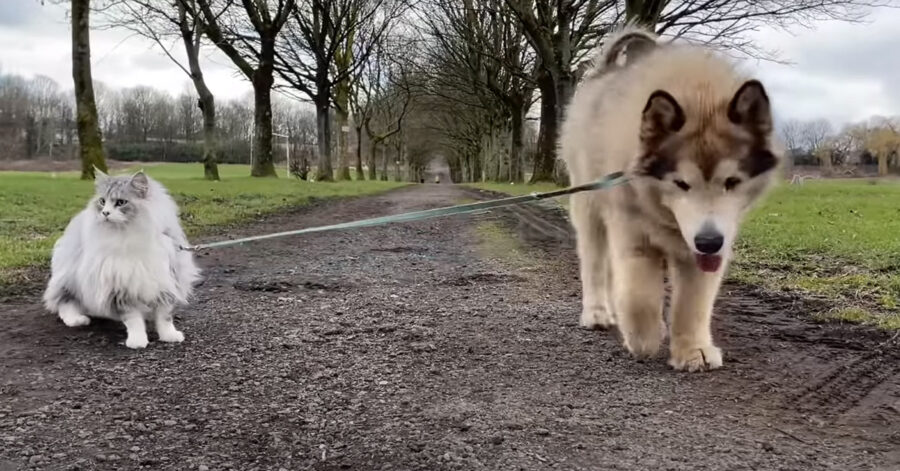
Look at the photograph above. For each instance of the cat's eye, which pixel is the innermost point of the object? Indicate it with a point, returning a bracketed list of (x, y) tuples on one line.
[(101, 202), (731, 182), (120, 203), (682, 184)]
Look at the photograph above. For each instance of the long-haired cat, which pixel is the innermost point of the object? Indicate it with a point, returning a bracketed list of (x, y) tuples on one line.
[(120, 259)]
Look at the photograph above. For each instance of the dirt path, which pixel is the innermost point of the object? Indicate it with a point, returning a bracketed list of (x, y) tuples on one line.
[(445, 344)]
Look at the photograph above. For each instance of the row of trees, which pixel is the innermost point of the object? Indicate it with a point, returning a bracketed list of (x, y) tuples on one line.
[(37, 120), (874, 141), (470, 70)]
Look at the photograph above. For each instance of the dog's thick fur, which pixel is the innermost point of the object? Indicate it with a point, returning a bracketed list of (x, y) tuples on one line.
[(695, 139)]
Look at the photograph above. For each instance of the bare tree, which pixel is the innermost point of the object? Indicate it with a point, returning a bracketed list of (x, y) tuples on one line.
[(247, 34), (790, 133), (483, 44), (562, 32), (884, 141), (814, 135), (89, 138), (380, 102), (320, 32), (164, 20)]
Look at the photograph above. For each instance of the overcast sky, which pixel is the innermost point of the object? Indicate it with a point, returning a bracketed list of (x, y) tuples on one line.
[(839, 71)]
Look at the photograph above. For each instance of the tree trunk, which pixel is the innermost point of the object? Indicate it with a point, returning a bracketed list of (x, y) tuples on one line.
[(206, 101), (210, 138), (549, 129), (343, 123), (384, 164), (360, 175), (644, 12), (516, 146), (324, 172), (90, 142), (263, 162), (373, 147), (825, 160), (883, 163)]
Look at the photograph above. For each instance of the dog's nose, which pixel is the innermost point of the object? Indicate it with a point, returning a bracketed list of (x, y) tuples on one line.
[(709, 241), (105, 213)]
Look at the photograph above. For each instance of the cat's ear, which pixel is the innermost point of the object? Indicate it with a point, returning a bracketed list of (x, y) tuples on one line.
[(99, 174), (100, 178), (140, 184)]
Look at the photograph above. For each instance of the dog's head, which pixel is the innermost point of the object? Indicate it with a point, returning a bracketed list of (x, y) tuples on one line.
[(710, 168)]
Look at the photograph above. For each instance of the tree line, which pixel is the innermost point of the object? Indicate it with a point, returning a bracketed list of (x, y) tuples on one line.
[(460, 79), (875, 142)]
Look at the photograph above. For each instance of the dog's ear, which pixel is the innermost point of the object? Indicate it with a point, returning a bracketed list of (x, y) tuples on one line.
[(750, 109), (661, 118)]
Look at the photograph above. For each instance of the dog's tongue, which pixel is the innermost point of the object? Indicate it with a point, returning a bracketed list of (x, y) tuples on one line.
[(709, 263)]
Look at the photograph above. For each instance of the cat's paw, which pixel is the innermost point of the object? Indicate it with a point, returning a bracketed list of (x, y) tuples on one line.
[(171, 336), (72, 316), (75, 319), (137, 342)]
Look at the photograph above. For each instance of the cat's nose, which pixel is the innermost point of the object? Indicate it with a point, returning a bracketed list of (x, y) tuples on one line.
[(105, 213)]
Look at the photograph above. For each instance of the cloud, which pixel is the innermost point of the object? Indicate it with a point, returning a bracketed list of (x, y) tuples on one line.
[(35, 40), (843, 72), (18, 13)]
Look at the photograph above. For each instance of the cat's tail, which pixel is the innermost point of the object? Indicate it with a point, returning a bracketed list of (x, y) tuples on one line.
[(55, 294), (63, 264), (184, 269)]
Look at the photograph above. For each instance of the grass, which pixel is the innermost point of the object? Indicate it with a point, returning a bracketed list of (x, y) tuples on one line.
[(35, 207), (836, 239)]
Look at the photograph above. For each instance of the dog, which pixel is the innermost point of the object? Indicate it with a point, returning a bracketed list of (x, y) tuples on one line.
[(694, 137)]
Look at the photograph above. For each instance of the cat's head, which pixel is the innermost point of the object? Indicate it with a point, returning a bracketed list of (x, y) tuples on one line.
[(119, 200)]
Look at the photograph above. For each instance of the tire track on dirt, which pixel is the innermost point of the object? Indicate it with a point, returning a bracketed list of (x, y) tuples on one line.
[(847, 385)]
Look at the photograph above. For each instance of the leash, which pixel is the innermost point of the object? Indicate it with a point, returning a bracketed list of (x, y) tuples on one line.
[(609, 181)]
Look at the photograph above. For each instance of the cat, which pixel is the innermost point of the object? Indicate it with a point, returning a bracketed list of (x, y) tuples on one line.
[(121, 258)]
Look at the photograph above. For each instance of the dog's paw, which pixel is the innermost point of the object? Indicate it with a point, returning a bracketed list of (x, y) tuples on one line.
[(75, 319), (597, 318), (171, 336), (696, 358), (642, 346), (137, 342)]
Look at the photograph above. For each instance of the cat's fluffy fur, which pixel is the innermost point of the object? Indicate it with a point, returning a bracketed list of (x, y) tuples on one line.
[(120, 259)]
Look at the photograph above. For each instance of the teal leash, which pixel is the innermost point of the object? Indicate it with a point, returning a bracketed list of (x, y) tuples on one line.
[(609, 181)]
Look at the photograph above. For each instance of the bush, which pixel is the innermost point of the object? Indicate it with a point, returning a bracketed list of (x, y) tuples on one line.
[(182, 152)]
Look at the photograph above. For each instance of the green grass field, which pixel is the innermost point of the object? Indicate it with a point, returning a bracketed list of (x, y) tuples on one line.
[(35, 207), (829, 238)]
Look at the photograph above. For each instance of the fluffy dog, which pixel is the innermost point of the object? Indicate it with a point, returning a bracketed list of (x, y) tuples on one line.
[(695, 138)]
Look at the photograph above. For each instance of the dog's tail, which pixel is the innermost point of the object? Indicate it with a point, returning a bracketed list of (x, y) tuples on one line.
[(622, 49)]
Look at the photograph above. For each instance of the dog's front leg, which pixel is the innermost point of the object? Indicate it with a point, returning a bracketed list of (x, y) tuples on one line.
[(693, 295), (592, 256), (638, 289)]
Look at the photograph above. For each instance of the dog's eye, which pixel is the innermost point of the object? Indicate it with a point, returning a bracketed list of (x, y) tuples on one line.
[(731, 182), (120, 203), (681, 184), (101, 202)]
